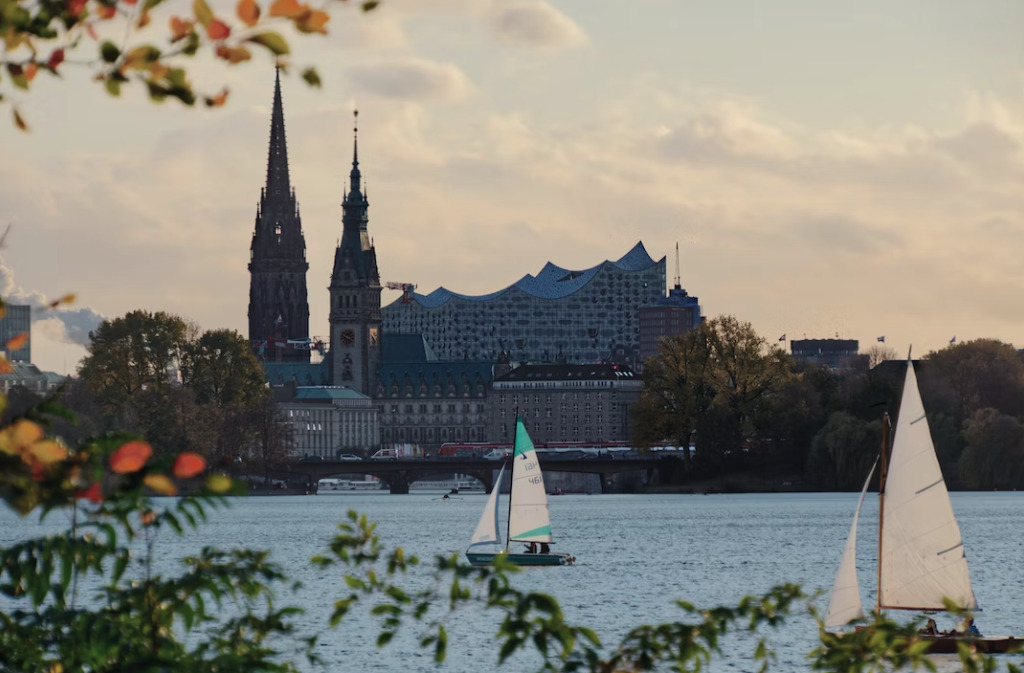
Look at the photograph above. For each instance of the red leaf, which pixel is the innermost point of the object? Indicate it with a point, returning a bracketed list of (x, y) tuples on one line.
[(249, 12), (75, 7), (130, 457), (291, 9), (218, 30), (92, 494), (56, 58), (188, 465), (105, 12), (180, 28)]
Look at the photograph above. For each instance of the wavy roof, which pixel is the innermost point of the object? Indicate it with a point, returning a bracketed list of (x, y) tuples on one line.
[(553, 282)]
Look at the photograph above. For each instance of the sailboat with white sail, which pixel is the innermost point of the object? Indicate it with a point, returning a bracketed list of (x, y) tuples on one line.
[(921, 559), (529, 521)]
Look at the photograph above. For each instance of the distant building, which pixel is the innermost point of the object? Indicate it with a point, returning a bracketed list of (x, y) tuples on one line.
[(557, 316), (31, 378), (673, 315), (565, 403), (840, 354), (278, 301), (327, 421), (426, 401), (17, 321)]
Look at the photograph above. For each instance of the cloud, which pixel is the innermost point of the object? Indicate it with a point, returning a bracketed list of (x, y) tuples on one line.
[(411, 79), (65, 325), (537, 24)]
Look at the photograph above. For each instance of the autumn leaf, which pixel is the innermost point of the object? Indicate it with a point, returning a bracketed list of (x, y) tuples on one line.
[(143, 20), (5, 365), (148, 518), (106, 12), (21, 434), (313, 22), (290, 9), (233, 54), (249, 12), (161, 484), (218, 30), (48, 451), (18, 342), (30, 70), (74, 7), (311, 76), (218, 100), (130, 457), (93, 494), (56, 58), (188, 465), (218, 483), (180, 28)]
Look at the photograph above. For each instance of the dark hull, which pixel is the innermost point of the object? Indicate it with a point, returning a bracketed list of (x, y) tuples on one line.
[(983, 644), (487, 558)]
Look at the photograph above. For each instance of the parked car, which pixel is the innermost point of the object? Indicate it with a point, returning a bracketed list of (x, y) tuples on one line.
[(348, 456), (497, 454)]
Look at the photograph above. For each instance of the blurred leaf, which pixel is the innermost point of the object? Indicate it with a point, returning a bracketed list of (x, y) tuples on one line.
[(248, 11), (18, 342), (313, 22), (202, 12), (218, 30), (109, 52), (130, 457), (289, 9), (311, 76), (272, 41)]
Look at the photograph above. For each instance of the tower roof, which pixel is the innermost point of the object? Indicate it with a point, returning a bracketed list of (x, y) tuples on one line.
[(278, 182)]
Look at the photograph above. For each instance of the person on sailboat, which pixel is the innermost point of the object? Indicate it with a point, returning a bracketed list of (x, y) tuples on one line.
[(545, 548), (930, 629), (531, 548), (972, 628)]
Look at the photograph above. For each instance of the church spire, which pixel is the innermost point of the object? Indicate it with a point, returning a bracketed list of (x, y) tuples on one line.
[(355, 175), (277, 157)]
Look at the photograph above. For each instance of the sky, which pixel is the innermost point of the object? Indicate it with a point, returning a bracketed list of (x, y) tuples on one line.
[(827, 170)]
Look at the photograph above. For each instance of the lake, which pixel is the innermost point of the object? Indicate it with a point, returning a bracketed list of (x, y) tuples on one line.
[(636, 555)]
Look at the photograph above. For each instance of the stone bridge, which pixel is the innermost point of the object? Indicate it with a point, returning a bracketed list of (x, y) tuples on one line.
[(400, 474)]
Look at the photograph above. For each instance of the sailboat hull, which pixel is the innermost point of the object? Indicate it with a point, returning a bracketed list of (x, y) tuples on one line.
[(487, 558), (984, 645)]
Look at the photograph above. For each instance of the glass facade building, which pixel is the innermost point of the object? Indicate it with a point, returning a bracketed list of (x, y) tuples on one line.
[(557, 316)]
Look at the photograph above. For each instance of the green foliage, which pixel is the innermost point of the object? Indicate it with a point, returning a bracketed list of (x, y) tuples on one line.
[(41, 35), (844, 451)]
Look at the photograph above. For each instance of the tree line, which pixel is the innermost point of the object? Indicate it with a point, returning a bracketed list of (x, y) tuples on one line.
[(743, 403)]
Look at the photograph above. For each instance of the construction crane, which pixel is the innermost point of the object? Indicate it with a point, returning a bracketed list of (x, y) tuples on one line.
[(406, 289)]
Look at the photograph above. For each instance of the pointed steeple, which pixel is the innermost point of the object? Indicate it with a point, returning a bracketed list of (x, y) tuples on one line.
[(355, 175), (278, 182)]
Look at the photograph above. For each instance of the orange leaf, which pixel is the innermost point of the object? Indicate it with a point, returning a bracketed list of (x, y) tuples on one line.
[(233, 54), (130, 457), (218, 30), (5, 366), (188, 465), (313, 22), (291, 9), (218, 100), (48, 451), (30, 70), (248, 11), (161, 484), (105, 12), (143, 20), (93, 494), (218, 483), (18, 342), (56, 58), (148, 518), (24, 433), (180, 28)]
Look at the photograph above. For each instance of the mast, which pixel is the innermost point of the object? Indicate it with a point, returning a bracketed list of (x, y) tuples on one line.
[(881, 504), (511, 485)]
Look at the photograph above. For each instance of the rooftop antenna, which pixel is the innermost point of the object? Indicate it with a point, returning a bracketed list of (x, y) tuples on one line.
[(678, 279)]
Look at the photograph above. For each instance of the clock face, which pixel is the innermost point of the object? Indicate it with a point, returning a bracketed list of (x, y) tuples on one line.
[(374, 336), (348, 337)]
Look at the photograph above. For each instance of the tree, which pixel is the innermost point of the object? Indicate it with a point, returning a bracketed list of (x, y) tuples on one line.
[(43, 36), (994, 453), (222, 370), (130, 363), (677, 391), (843, 451)]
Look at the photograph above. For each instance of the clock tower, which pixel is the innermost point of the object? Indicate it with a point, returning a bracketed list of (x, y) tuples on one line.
[(355, 292)]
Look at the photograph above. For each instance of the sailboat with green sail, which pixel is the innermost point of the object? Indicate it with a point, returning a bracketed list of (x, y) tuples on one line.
[(528, 519)]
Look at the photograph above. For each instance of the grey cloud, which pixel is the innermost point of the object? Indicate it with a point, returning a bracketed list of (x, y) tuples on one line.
[(411, 80), (982, 146), (839, 234), (537, 24)]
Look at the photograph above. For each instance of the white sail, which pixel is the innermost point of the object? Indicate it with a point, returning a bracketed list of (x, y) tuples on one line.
[(844, 605), (923, 557), (487, 531), (528, 519)]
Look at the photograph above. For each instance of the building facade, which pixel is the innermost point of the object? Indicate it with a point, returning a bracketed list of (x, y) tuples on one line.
[(17, 321), (673, 315), (355, 316), (840, 354), (557, 316), (565, 403), (327, 421), (278, 300)]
